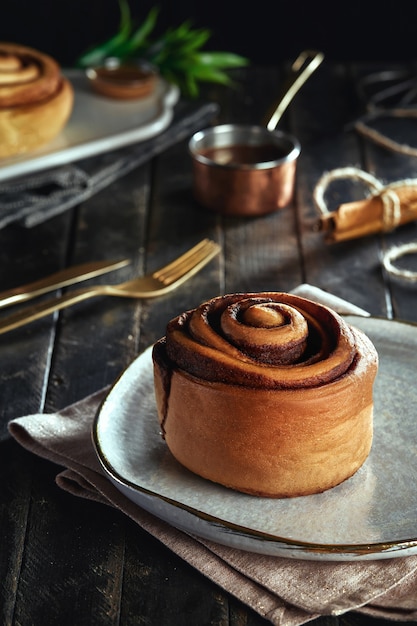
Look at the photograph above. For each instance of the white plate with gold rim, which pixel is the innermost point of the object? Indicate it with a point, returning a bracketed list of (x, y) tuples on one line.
[(372, 515)]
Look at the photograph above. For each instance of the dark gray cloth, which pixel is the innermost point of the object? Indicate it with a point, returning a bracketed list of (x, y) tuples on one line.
[(30, 200)]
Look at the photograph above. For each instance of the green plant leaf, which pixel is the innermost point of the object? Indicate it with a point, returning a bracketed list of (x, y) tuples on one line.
[(222, 59), (177, 53), (96, 55), (140, 37)]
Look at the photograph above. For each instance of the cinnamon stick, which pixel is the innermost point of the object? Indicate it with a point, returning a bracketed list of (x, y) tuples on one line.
[(366, 217)]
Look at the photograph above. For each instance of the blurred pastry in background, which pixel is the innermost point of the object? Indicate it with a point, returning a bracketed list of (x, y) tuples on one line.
[(36, 100)]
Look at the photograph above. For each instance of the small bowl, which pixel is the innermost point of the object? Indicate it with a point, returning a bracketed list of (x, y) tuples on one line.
[(125, 80)]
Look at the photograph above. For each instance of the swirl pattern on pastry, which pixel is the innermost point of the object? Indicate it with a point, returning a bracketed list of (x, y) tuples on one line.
[(269, 340), (26, 75), (35, 99)]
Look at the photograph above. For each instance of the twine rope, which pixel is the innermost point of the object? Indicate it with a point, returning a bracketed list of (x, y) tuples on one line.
[(395, 253), (383, 140), (391, 212)]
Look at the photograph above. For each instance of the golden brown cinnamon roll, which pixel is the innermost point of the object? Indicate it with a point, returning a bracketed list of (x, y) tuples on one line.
[(35, 99), (269, 394)]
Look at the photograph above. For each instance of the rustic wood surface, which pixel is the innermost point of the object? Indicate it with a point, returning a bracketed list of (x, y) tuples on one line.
[(73, 562)]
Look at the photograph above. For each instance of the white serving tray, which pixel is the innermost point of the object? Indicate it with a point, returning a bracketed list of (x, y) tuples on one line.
[(98, 124)]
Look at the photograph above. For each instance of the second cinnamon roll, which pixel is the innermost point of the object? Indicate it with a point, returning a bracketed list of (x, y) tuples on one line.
[(36, 100)]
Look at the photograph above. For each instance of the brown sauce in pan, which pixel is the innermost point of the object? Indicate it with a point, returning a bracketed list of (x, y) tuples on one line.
[(244, 154), (123, 74)]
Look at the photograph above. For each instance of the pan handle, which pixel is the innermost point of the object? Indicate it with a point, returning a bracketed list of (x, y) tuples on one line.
[(304, 65)]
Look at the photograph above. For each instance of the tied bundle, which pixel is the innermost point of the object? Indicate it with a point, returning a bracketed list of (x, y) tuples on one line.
[(386, 208)]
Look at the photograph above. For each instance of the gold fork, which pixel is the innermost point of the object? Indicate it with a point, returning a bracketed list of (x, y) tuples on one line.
[(158, 283)]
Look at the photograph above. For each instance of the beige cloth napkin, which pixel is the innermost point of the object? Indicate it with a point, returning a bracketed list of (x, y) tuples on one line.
[(286, 592)]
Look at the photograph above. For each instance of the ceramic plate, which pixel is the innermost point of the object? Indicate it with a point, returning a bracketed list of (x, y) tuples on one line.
[(98, 124), (372, 515)]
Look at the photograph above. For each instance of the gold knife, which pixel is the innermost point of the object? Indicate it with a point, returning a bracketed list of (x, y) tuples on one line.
[(63, 278)]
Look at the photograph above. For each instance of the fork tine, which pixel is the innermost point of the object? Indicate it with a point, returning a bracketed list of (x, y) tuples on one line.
[(196, 266), (188, 263), (179, 260)]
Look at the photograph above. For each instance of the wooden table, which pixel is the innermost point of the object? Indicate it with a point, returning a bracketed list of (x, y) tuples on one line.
[(69, 561)]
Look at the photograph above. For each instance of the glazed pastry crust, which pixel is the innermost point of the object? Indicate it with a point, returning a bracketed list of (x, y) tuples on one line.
[(269, 441), (35, 99)]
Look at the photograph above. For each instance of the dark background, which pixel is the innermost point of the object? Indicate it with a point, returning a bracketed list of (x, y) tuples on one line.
[(264, 31)]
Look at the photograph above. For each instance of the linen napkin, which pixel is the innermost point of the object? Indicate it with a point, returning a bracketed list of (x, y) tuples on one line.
[(35, 198), (287, 592)]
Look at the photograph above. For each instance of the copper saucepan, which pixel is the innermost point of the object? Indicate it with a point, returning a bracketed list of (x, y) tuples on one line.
[(250, 170)]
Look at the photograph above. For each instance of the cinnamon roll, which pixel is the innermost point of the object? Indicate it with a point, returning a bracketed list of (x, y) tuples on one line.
[(35, 99), (268, 393)]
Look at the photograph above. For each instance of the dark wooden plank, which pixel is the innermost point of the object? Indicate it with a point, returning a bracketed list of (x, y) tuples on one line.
[(113, 221), (343, 268), (162, 589), (63, 566), (25, 255), (96, 341), (16, 470), (390, 166), (175, 225)]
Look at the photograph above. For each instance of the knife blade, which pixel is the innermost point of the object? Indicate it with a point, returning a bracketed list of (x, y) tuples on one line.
[(57, 280)]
